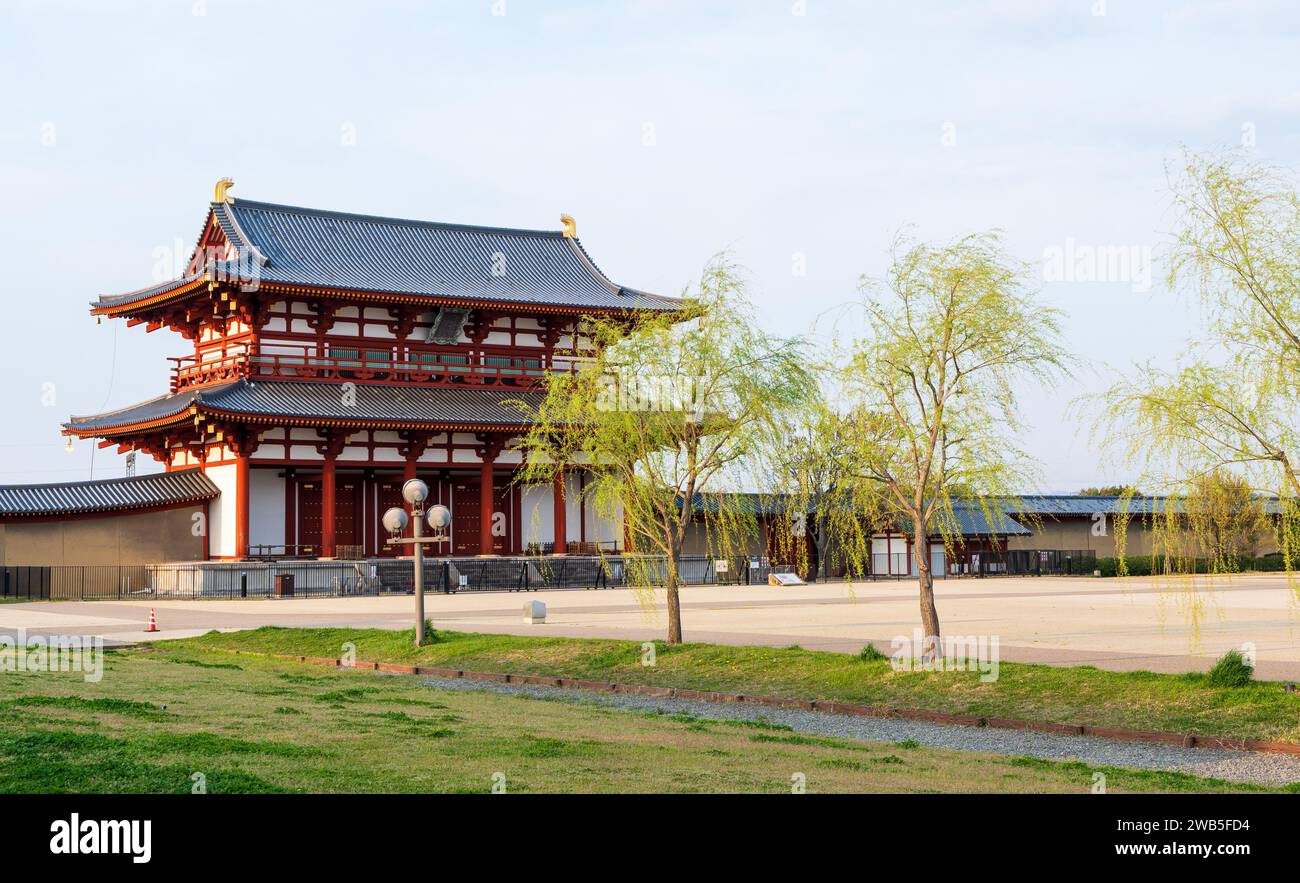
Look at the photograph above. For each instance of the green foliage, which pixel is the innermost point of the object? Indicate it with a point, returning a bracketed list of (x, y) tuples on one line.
[(930, 394), (869, 653), (1227, 413), (1149, 565), (1111, 490), (665, 406), (1232, 670)]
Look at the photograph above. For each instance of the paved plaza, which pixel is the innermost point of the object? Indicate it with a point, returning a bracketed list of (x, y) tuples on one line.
[(1129, 624)]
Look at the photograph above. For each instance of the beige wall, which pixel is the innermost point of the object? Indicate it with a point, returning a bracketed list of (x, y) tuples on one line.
[(696, 542), (1068, 534), (117, 538)]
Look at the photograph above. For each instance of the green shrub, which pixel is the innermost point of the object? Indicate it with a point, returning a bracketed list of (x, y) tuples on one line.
[(869, 653), (1134, 565), (1232, 670), (1145, 565), (1272, 563)]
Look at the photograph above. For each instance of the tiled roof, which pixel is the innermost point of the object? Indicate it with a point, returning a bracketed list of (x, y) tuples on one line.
[(1075, 505), (137, 492), (973, 521), (327, 401), (743, 503), (969, 521), (312, 247)]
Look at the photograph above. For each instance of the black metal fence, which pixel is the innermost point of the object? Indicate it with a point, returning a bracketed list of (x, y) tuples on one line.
[(325, 579), (1025, 562), (74, 582), (329, 579)]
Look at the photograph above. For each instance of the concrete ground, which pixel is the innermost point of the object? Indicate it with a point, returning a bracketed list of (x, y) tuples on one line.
[(1136, 623)]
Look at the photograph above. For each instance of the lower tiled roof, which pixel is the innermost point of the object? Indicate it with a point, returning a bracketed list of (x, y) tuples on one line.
[(106, 495), (362, 403)]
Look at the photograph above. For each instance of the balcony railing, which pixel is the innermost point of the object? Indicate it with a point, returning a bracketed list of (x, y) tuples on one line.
[(479, 366)]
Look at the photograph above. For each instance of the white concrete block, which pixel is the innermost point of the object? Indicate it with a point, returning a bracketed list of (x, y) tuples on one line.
[(534, 612)]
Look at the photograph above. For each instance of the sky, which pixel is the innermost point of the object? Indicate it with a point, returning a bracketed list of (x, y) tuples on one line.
[(800, 135)]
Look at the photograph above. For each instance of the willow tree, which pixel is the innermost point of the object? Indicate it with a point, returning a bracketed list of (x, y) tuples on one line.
[(931, 394), (666, 408), (1234, 403), (812, 457)]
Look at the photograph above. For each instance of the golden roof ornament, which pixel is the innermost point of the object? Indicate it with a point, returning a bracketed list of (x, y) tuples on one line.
[(219, 193), (570, 226)]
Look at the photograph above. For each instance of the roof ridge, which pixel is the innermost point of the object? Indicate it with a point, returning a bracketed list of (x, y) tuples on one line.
[(388, 219), (614, 287), (244, 243), (72, 418), (98, 481)]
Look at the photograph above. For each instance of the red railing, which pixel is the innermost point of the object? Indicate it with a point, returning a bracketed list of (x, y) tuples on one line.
[(483, 365)]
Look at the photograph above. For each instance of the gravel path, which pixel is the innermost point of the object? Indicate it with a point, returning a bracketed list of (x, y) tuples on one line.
[(1234, 766)]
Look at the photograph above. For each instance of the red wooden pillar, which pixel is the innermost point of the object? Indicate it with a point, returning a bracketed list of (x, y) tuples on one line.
[(485, 502), (408, 472), (561, 514), (332, 443), (327, 507), (241, 505)]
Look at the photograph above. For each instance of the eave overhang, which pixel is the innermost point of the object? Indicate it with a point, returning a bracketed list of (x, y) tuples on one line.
[(178, 290), (190, 409)]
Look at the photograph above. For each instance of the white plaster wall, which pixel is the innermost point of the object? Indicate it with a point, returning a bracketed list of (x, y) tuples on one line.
[(221, 512), (265, 507), (536, 514), (603, 530)]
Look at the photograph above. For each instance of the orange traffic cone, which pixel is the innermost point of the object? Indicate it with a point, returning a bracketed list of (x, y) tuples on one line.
[(153, 622)]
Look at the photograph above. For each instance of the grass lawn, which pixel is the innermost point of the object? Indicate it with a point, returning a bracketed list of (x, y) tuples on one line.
[(1077, 695), (254, 724)]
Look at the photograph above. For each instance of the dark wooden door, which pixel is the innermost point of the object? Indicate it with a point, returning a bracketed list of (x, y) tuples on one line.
[(390, 495), (465, 516), (309, 523), (347, 497), (465, 511)]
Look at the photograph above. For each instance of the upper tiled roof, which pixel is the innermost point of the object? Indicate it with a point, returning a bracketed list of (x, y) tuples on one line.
[(76, 497), (438, 406), (312, 247)]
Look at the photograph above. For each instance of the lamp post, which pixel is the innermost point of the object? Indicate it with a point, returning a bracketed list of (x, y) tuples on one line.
[(395, 520)]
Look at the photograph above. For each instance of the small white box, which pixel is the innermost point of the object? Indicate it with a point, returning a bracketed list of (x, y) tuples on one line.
[(534, 612)]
